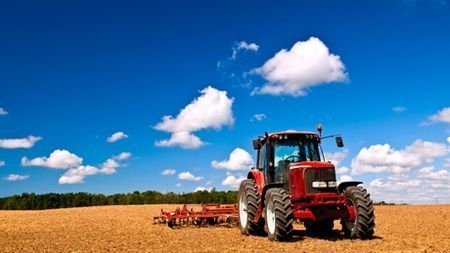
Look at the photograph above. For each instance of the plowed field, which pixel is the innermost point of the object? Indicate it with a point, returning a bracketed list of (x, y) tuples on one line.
[(131, 229)]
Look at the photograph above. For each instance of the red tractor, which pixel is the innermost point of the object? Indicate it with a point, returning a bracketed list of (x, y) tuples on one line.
[(292, 181)]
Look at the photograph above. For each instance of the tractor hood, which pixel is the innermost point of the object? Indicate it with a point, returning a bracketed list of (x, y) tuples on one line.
[(311, 164)]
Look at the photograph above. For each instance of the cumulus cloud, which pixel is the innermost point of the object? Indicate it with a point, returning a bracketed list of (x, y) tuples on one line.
[(342, 170), (122, 156), (441, 116), (383, 158), (239, 159), (184, 140), (2, 111), (424, 185), (430, 174), (15, 177), (111, 164), (188, 176), (345, 178), (337, 157), (58, 159), (395, 183), (116, 136), (307, 64), (77, 175), (19, 143), (168, 172), (201, 188), (232, 180), (75, 172), (243, 45), (211, 110)]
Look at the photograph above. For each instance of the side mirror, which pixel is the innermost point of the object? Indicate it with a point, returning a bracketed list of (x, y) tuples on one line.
[(256, 143), (339, 141)]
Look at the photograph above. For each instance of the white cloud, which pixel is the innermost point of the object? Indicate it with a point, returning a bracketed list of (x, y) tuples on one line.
[(429, 174), (342, 170), (2, 111), (211, 110), (244, 46), (383, 158), (122, 156), (117, 136), (259, 117), (58, 159), (19, 143), (441, 116), (448, 139), (168, 172), (75, 171), (15, 177), (239, 160), (399, 190), (398, 109), (200, 188), (307, 64), (345, 178), (185, 140), (232, 180), (336, 158), (2, 163), (188, 176), (111, 164), (77, 175)]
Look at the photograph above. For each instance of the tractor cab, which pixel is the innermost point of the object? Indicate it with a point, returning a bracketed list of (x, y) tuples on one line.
[(277, 152)]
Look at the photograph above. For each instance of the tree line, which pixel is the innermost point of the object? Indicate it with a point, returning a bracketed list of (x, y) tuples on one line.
[(32, 201)]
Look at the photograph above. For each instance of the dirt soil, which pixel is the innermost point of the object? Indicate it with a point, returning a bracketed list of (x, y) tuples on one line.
[(132, 229)]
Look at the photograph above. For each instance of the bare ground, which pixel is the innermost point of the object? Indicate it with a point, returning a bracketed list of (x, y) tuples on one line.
[(131, 229)]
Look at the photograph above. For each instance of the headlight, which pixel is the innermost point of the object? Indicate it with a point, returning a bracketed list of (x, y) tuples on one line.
[(332, 184), (319, 184)]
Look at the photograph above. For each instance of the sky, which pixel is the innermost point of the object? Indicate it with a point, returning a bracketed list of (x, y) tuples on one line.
[(121, 96)]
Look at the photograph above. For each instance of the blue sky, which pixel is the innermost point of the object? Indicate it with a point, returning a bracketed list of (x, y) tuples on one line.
[(117, 96)]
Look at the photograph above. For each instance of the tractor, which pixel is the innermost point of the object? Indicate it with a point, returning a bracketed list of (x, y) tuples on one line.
[(292, 182)]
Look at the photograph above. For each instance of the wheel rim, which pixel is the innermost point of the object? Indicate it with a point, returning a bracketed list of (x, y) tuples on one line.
[(243, 215), (270, 217)]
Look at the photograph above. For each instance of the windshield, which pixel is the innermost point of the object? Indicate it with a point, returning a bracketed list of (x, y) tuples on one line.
[(296, 150)]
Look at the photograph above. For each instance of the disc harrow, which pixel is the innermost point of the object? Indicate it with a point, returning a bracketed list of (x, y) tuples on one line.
[(207, 215)]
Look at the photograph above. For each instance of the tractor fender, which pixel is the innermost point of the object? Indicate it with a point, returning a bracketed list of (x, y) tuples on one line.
[(342, 186), (258, 176)]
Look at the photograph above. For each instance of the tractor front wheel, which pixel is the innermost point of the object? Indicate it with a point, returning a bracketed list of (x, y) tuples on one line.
[(364, 223), (279, 216), (248, 202)]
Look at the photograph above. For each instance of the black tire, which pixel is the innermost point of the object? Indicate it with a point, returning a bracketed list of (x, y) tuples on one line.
[(363, 226), (248, 202), (279, 216), (171, 223)]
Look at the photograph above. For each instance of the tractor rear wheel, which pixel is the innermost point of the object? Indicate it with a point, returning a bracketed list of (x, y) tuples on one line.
[(279, 216), (364, 223), (248, 202)]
